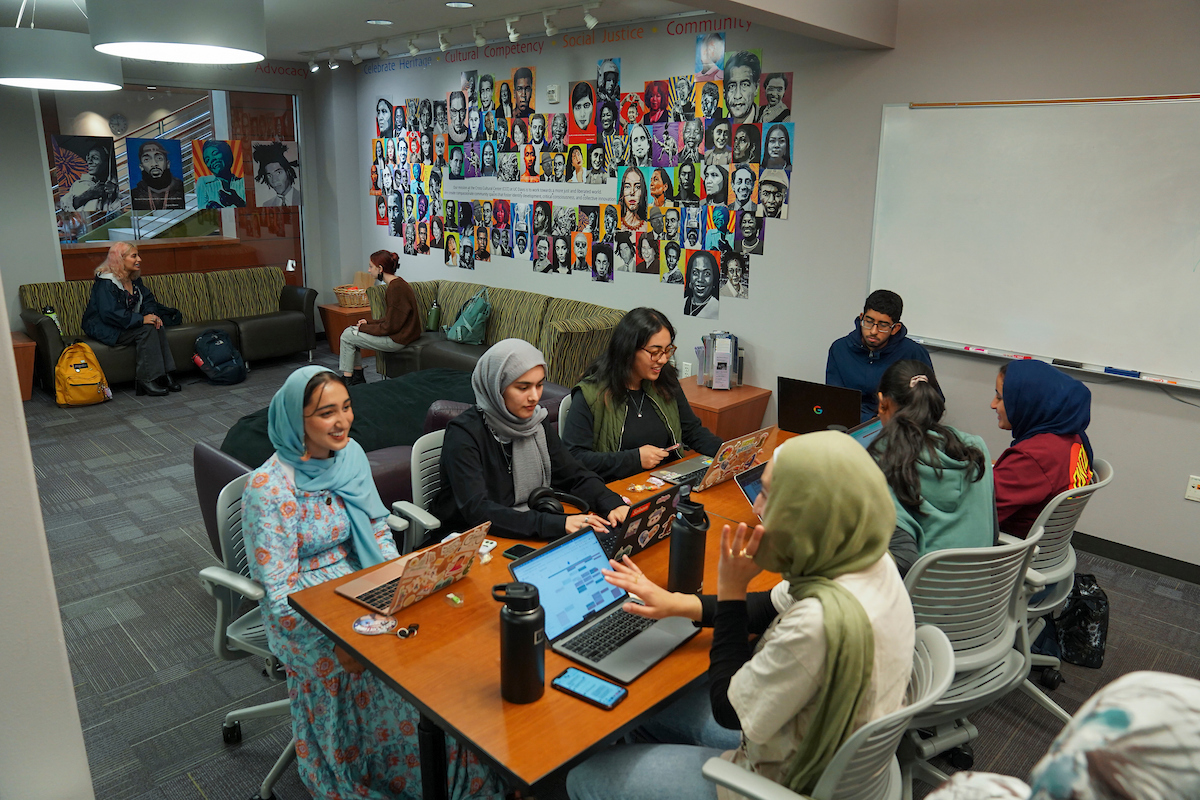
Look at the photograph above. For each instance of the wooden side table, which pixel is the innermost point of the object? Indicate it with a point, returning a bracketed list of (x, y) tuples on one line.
[(337, 318), (727, 412), (24, 349)]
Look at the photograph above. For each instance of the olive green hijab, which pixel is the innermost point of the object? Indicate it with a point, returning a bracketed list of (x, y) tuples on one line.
[(828, 513)]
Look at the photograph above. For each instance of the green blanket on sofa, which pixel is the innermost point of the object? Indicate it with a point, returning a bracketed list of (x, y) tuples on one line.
[(386, 413)]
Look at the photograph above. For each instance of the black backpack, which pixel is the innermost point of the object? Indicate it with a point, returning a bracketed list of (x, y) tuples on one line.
[(218, 359)]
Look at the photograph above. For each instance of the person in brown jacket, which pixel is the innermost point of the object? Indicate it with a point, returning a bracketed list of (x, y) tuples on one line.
[(400, 326)]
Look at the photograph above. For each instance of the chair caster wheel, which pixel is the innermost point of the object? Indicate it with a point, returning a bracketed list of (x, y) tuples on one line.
[(962, 758), (232, 734), (1051, 678)]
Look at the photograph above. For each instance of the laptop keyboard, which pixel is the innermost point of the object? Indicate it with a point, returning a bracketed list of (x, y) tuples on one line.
[(381, 596), (692, 478), (607, 635)]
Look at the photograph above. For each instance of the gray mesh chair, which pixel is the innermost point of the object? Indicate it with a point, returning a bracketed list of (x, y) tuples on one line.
[(237, 637), (977, 597), (865, 766), (1054, 567), (411, 523)]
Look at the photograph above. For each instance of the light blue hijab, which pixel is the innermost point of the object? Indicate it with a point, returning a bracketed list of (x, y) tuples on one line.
[(346, 473)]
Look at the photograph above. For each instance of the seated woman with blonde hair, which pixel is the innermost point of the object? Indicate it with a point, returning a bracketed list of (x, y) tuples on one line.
[(122, 311)]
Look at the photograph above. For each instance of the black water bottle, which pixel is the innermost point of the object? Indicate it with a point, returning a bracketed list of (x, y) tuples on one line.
[(522, 642), (689, 534)]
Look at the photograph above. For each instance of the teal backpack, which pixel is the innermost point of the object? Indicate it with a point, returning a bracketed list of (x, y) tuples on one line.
[(471, 325)]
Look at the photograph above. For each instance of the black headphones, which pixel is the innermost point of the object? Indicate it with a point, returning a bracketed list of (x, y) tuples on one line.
[(551, 501)]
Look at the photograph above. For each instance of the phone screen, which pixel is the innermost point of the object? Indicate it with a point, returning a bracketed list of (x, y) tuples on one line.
[(598, 690)]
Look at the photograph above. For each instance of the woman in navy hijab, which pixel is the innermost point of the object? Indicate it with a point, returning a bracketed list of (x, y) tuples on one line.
[(1048, 413)]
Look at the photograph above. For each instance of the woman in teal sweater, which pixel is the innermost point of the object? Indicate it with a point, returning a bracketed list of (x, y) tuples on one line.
[(940, 478)]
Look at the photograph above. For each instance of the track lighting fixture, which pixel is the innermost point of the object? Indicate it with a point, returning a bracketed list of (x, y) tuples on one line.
[(513, 35), (333, 64), (550, 29), (383, 51), (355, 58), (588, 19), (480, 41), (312, 65), (412, 47), (444, 42)]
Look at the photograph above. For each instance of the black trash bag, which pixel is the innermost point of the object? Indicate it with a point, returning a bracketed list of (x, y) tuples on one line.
[(1083, 623)]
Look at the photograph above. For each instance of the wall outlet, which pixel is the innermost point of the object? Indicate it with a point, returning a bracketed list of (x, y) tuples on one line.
[(1193, 490), (552, 93), (685, 371)]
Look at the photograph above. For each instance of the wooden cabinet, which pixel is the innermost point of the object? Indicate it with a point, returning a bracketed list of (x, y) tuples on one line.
[(727, 412), (24, 349), (337, 318)]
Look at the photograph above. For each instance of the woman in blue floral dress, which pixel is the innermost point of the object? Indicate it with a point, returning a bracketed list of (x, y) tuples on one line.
[(311, 513)]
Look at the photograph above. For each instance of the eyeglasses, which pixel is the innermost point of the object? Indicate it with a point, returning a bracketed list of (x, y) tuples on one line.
[(661, 353), (872, 325)]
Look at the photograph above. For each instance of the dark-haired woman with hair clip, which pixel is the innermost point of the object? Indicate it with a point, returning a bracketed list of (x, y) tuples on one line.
[(940, 478), (400, 326), (629, 408), (311, 514)]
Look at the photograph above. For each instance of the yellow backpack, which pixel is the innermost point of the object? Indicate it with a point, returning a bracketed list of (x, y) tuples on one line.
[(78, 379)]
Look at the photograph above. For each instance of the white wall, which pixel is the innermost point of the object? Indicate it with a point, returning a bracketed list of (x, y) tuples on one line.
[(27, 224), (41, 743), (87, 113), (807, 288)]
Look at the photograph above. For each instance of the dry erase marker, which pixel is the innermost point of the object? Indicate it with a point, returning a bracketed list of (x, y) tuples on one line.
[(1158, 380), (970, 349), (1018, 356)]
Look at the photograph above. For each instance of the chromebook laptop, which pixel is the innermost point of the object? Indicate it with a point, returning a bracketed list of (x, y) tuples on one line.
[(584, 618), (805, 407)]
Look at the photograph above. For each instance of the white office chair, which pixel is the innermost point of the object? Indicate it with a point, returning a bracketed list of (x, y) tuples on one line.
[(1054, 566), (563, 408), (977, 597), (865, 766), (411, 523), (245, 635)]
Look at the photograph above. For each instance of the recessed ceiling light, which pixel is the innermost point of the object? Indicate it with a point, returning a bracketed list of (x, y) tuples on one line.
[(379, 22), (459, 4)]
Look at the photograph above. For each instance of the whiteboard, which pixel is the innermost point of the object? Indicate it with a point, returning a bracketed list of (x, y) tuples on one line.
[(1064, 231)]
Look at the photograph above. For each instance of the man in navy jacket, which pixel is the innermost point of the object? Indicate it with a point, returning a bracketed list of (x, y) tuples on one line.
[(858, 360)]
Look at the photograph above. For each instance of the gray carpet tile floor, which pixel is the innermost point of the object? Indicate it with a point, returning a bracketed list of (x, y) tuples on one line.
[(126, 541)]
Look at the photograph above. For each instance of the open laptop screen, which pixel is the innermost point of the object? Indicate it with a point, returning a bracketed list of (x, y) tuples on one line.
[(867, 432), (568, 580)]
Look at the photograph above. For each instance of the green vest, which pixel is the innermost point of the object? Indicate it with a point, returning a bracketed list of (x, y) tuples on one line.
[(608, 423)]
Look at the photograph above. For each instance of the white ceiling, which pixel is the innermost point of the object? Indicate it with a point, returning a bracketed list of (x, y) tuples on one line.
[(301, 26)]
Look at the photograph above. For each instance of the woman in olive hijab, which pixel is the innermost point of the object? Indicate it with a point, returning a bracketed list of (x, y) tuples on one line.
[(835, 649)]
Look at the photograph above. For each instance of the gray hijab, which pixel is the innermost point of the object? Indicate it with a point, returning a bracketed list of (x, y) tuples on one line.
[(502, 364)]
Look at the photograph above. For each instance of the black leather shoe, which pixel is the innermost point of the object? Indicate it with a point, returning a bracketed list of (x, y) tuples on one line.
[(150, 388), (169, 383), (356, 378)]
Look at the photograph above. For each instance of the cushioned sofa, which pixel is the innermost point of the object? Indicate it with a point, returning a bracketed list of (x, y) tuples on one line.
[(266, 317), (570, 333)]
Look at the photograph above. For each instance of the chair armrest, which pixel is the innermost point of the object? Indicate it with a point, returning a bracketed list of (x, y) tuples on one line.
[(303, 299), (219, 576), (1035, 580), (415, 513), (48, 339), (744, 782), (1008, 538)]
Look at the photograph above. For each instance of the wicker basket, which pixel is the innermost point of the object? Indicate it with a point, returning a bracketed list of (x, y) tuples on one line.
[(350, 296)]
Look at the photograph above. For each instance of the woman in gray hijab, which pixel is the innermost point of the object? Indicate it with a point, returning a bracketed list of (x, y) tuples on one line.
[(499, 451)]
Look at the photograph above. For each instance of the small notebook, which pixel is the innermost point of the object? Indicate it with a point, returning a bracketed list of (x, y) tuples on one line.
[(405, 580)]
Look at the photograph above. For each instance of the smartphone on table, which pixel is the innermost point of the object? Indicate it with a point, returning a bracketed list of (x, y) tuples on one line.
[(518, 551), (589, 688)]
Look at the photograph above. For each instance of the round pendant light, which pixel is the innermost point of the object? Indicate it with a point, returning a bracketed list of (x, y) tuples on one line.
[(180, 31), (39, 58)]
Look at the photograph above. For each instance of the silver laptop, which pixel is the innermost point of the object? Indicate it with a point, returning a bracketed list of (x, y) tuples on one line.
[(702, 472), (584, 618)]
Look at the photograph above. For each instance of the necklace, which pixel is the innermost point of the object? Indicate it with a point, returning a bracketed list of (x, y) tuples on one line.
[(641, 401)]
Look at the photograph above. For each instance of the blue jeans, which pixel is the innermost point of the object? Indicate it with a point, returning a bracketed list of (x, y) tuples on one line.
[(689, 735)]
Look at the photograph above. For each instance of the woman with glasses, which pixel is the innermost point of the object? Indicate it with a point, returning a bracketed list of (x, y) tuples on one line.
[(629, 409)]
